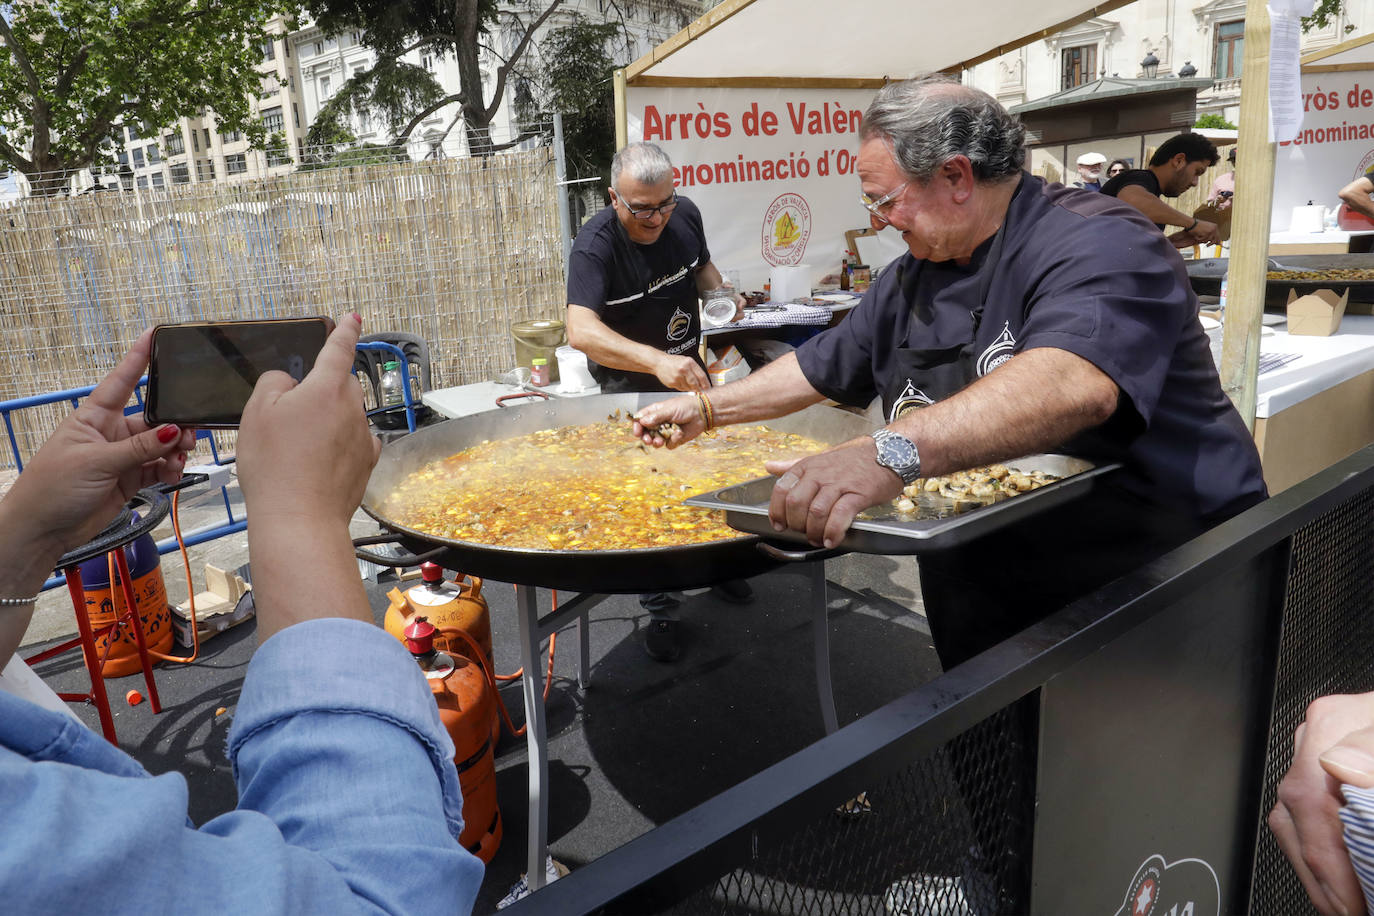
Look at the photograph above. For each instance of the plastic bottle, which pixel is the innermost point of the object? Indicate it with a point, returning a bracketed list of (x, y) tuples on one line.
[(389, 388)]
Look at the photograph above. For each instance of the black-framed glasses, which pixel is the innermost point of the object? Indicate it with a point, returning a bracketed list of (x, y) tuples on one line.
[(647, 213), (876, 207)]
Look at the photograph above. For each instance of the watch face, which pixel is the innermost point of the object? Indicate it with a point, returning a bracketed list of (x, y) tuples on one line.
[(897, 451)]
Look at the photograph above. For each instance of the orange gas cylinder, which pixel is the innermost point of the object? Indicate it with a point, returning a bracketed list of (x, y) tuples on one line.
[(456, 604), (104, 605), (466, 706)]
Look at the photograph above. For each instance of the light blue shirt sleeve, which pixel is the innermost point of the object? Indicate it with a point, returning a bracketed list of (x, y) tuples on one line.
[(348, 798)]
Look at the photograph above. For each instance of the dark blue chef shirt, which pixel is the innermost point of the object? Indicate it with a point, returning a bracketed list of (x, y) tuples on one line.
[(1077, 271), (647, 293)]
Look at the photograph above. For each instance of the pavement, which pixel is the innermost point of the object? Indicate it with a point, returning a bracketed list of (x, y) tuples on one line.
[(644, 743)]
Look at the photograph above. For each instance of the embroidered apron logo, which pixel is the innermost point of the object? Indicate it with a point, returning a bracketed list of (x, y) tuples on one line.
[(911, 398), (679, 324), (998, 352), (786, 229), (1162, 888)]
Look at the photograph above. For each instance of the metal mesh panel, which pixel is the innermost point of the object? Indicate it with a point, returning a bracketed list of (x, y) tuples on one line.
[(909, 845), (1323, 648)]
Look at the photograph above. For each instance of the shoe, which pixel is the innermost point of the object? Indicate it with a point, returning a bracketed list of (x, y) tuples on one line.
[(656, 602), (552, 872), (736, 591), (927, 895), (660, 640)]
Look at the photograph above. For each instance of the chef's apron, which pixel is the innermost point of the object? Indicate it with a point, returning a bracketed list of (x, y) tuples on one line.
[(924, 376)]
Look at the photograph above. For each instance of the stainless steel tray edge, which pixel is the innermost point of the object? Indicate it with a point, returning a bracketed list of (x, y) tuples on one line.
[(746, 509)]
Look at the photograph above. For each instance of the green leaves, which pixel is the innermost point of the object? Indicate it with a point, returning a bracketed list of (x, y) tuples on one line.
[(69, 69)]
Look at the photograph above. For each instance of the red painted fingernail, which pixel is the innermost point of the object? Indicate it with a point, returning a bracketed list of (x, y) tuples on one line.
[(168, 433), (358, 318)]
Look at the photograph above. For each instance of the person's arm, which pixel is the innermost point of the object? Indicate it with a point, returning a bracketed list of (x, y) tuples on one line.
[(1356, 194), (779, 388), (588, 333), (93, 464), (1334, 745), (1035, 401), (1157, 211)]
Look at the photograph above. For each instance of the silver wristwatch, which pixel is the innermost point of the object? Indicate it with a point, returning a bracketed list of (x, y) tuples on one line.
[(898, 454)]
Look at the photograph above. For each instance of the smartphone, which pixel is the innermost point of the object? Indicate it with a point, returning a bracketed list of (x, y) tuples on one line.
[(201, 374)]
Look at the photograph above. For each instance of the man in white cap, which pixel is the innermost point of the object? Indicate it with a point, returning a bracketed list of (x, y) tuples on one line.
[(1090, 171)]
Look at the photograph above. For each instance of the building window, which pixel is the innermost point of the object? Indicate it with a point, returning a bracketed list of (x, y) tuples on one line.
[(296, 115), (132, 131), (279, 155), (205, 170), (319, 47), (153, 153), (232, 136), (195, 140), (181, 173), (427, 62), (324, 88), (123, 157), (158, 180), (269, 49), (1229, 49), (272, 120), (143, 181), (138, 158), (1080, 65), (236, 164), (175, 143), (206, 131)]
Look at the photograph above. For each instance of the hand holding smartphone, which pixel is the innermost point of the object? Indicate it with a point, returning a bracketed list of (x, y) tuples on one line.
[(201, 374)]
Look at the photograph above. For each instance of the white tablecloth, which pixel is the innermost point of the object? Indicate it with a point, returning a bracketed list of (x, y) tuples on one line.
[(1323, 362)]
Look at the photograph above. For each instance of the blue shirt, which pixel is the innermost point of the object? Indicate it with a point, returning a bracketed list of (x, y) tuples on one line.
[(1076, 271), (348, 798)]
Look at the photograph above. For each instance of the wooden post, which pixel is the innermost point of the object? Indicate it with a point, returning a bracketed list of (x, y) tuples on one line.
[(622, 129), (1250, 225)]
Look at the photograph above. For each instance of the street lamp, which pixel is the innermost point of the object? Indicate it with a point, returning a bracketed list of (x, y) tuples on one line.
[(1187, 71), (1150, 65)]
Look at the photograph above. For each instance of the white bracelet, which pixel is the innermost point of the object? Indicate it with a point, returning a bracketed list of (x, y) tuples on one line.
[(17, 602)]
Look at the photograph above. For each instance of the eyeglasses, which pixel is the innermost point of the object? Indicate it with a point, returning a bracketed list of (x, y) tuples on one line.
[(876, 207), (647, 213)]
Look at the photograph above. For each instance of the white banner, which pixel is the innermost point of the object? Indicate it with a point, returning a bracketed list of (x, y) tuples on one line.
[(773, 171), (1334, 146)]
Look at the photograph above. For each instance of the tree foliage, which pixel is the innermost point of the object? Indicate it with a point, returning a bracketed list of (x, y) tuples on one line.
[(71, 69), (1213, 120), (1323, 13), (576, 80), (457, 28)]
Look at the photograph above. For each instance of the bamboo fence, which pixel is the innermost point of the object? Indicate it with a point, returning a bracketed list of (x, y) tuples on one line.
[(452, 250)]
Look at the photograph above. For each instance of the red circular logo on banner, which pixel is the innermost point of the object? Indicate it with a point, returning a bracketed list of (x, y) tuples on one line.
[(1366, 165), (786, 230)]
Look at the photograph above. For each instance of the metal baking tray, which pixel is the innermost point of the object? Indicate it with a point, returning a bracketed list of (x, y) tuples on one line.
[(935, 526)]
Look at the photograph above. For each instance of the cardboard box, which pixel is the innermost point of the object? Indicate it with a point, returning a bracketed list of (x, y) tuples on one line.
[(1317, 314), (217, 609)]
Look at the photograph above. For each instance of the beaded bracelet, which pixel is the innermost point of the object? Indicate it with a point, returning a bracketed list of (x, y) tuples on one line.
[(17, 602), (708, 415)]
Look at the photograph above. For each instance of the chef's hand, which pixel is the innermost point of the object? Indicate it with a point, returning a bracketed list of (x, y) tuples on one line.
[(95, 461), (305, 450), (820, 495), (682, 373), (739, 307), (1334, 745), (1205, 232), (684, 411)]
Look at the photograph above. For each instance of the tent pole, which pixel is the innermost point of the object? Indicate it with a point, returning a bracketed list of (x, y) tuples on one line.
[(622, 130), (1250, 233)]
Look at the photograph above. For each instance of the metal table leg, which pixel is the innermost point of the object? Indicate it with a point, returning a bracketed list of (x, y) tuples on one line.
[(820, 626), (527, 607)]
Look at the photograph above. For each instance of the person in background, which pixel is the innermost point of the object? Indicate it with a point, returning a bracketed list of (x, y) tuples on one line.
[(1025, 317), (635, 275), (1090, 171), (1224, 187), (1174, 168), (1116, 167), (1333, 765), (348, 795), (1357, 195)]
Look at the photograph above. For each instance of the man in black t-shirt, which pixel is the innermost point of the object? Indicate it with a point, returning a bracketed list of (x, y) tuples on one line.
[(634, 277), (1174, 168)]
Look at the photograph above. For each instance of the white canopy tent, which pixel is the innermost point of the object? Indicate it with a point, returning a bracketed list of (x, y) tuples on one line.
[(798, 55)]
